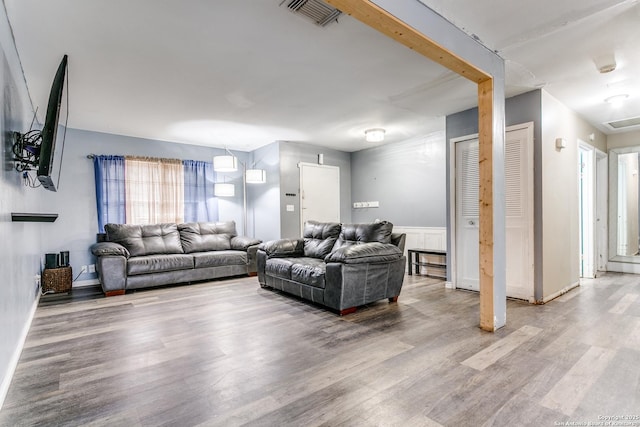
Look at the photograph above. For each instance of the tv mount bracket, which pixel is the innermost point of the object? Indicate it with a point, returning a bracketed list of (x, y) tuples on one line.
[(26, 149)]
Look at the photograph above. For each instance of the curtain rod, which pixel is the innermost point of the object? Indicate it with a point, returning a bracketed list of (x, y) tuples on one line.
[(93, 156)]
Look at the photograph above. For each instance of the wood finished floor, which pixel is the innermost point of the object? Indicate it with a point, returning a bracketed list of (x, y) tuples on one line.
[(228, 353)]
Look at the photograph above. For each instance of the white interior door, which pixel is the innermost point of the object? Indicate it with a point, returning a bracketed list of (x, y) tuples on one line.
[(467, 215), (586, 169), (602, 203), (519, 213), (319, 193)]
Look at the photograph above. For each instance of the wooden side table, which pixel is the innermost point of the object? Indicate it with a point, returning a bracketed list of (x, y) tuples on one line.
[(56, 280)]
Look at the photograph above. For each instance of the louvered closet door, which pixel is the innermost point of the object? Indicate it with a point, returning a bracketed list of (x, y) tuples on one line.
[(519, 213), (519, 210), (467, 212)]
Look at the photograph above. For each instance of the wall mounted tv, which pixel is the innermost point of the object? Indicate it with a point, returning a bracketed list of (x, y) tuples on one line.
[(54, 130)]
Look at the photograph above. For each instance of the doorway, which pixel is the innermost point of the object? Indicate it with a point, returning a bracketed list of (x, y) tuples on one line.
[(592, 198), (602, 203), (319, 193)]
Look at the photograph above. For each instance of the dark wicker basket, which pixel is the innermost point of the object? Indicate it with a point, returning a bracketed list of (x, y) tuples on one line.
[(57, 279)]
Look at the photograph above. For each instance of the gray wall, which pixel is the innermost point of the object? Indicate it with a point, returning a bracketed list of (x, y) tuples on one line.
[(523, 108), (291, 153), (20, 251), (75, 201), (407, 178), (265, 198)]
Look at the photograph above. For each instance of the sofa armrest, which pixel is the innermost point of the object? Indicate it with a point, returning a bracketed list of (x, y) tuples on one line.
[(242, 243), (252, 259), (112, 272), (109, 249), (283, 248), (371, 252)]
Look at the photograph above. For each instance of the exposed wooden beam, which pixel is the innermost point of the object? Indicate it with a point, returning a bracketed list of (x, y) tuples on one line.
[(379, 19), (485, 158)]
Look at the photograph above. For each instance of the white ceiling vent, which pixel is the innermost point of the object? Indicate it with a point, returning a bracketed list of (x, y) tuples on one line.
[(316, 10), (623, 124)]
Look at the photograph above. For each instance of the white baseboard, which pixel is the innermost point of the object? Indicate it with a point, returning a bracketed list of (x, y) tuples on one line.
[(83, 283), (449, 285), (623, 267), (560, 292), (13, 363)]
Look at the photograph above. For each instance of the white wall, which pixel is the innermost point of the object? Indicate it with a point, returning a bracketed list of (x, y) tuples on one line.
[(560, 223), (618, 140)]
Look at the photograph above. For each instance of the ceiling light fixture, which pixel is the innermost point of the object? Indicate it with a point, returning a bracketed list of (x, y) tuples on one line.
[(374, 135), (616, 100), (605, 63)]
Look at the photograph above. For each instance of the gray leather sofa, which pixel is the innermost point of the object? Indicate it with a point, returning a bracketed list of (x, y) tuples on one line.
[(140, 256), (341, 266)]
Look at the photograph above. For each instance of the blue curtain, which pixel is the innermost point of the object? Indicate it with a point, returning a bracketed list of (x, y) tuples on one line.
[(199, 202), (110, 190)]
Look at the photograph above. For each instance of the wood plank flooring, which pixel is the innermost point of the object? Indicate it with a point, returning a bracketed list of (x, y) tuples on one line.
[(227, 353)]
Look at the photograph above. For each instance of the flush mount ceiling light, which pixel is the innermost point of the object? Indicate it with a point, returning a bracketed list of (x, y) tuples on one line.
[(605, 63), (374, 135), (225, 163), (616, 100)]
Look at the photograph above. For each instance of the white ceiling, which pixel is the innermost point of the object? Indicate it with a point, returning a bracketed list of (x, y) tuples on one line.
[(243, 74)]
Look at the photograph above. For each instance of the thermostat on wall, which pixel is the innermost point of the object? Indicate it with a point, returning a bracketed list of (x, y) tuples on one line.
[(561, 143)]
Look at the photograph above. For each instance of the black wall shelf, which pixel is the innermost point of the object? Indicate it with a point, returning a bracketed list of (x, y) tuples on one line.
[(33, 217)]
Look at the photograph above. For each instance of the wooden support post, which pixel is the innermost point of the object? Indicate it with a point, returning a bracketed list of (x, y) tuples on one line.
[(485, 158), (492, 303)]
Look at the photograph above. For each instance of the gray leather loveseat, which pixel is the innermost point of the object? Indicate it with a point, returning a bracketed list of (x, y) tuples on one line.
[(139, 256), (341, 266)]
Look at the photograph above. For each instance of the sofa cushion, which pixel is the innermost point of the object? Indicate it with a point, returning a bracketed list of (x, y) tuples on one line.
[(146, 239), (310, 272), (206, 236), (280, 267), (319, 238), (219, 258), (158, 263), (353, 234)]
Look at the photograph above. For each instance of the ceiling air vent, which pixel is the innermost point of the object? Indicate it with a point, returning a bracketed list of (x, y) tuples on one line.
[(623, 124), (316, 10)]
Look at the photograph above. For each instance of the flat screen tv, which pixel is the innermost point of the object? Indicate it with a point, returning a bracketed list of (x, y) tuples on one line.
[(54, 131)]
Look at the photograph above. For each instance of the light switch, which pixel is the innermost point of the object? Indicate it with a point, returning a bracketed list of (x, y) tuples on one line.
[(290, 208)]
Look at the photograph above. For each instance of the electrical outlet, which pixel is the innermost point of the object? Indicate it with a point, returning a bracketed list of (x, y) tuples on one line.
[(92, 268)]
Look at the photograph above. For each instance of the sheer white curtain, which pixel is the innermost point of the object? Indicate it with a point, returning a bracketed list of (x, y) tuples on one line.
[(154, 190)]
